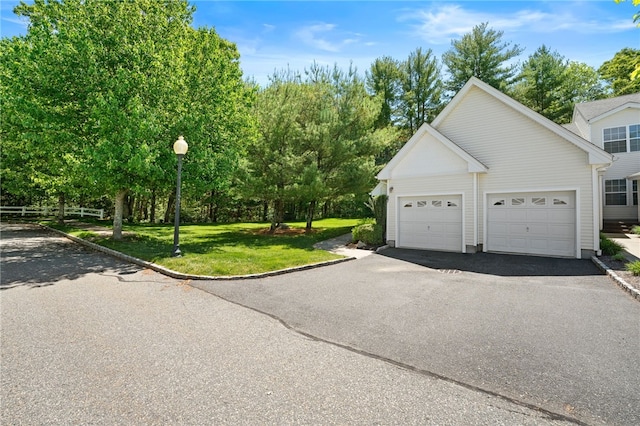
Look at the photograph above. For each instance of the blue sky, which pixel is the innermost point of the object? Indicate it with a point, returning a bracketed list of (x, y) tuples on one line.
[(275, 35)]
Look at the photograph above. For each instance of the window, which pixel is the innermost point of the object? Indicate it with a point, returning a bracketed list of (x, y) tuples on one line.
[(409, 205), (436, 203), (615, 192), (451, 204), (634, 137), (517, 201), (615, 139), (634, 192), (422, 204), (538, 201), (499, 203), (559, 202)]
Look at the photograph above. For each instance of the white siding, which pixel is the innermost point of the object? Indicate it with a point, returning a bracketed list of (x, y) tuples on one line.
[(624, 164), (521, 155), (429, 157)]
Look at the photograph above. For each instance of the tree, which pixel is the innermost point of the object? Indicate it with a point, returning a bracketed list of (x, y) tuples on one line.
[(617, 71), (383, 79), (540, 83), (121, 80), (339, 138), (273, 165), (421, 88), (482, 54)]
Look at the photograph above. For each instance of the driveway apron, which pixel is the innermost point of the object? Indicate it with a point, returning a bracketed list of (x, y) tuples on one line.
[(554, 333)]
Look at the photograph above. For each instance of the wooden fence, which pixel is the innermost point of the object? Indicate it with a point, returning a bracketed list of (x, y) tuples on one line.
[(51, 211)]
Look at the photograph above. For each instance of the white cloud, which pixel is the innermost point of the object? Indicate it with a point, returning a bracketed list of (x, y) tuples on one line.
[(441, 23), (326, 37)]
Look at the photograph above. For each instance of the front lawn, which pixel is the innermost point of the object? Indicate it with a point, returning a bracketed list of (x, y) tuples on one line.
[(225, 249)]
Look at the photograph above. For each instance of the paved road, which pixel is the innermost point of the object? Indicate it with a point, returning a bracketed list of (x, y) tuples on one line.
[(86, 339), (554, 333)]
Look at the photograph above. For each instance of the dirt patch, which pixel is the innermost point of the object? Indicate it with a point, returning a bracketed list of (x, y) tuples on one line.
[(281, 231)]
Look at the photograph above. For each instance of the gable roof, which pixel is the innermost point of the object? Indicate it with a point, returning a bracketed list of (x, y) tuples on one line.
[(596, 154), (473, 165), (595, 110)]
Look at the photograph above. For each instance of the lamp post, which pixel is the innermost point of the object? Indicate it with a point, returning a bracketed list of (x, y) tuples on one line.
[(180, 147)]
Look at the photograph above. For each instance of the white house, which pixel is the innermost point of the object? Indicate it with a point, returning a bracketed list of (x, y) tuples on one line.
[(489, 174), (614, 125)]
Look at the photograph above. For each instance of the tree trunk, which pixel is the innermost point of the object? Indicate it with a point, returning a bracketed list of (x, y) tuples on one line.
[(265, 211), (278, 213), (310, 213), (152, 216), (121, 195), (169, 210), (61, 200)]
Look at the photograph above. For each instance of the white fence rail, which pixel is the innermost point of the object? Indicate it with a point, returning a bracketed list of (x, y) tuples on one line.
[(51, 211)]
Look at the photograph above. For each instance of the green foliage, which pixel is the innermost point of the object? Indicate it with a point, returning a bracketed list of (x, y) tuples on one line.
[(609, 247), (633, 267), (482, 54), (617, 71), (619, 257), (421, 85), (317, 139), (636, 230), (102, 88), (368, 233)]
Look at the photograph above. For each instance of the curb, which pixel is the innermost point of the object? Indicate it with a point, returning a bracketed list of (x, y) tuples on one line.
[(618, 280), (180, 275)]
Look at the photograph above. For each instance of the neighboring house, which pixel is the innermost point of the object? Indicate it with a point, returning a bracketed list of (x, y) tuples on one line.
[(490, 174), (614, 125)]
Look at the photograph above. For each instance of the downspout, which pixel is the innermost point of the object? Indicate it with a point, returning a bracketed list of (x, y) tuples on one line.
[(596, 208), (475, 210)]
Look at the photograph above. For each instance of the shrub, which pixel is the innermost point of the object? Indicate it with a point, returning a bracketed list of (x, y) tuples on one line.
[(634, 267), (368, 233), (619, 257), (636, 230), (610, 247)]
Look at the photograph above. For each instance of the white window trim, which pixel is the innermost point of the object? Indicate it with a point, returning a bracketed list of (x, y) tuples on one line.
[(627, 130), (627, 191)]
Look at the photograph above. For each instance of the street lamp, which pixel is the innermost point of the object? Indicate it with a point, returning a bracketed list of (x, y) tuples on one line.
[(180, 147)]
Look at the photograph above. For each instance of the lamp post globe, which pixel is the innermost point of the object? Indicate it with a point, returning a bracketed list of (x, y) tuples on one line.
[(180, 147)]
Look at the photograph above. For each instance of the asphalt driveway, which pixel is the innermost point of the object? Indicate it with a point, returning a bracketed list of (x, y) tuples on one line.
[(550, 333)]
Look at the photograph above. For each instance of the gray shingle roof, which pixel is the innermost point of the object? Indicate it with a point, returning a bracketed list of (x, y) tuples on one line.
[(590, 110)]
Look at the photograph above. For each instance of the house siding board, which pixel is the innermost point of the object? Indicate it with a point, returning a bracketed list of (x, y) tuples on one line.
[(520, 154), (625, 163), (432, 185), (429, 156)]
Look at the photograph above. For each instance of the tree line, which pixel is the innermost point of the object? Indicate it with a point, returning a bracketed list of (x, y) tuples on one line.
[(95, 93)]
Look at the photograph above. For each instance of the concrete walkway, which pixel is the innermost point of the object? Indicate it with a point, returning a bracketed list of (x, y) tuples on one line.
[(338, 245)]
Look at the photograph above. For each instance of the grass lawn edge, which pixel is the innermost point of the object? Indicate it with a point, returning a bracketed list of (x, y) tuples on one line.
[(184, 276)]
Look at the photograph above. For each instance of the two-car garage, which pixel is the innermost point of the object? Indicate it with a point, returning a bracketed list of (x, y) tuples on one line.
[(537, 223)]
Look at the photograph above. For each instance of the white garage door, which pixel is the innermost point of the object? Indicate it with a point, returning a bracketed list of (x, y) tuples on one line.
[(532, 223), (432, 223)]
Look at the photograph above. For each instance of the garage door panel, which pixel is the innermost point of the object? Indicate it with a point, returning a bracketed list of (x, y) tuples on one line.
[(433, 223), (532, 223)]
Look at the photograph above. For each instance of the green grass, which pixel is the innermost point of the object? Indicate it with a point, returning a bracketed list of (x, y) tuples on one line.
[(634, 267), (224, 249)]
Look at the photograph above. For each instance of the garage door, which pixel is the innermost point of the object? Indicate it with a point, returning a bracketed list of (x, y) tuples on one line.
[(532, 223), (432, 223)]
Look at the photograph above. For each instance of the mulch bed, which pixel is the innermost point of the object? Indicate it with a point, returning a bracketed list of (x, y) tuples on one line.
[(619, 268)]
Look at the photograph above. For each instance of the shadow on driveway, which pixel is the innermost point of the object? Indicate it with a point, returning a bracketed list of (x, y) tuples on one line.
[(496, 264)]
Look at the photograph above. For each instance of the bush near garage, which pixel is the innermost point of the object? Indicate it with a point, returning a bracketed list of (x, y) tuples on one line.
[(609, 247), (369, 233)]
